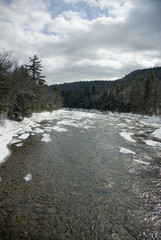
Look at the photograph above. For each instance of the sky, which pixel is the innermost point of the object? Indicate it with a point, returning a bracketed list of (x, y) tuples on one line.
[(83, 40)]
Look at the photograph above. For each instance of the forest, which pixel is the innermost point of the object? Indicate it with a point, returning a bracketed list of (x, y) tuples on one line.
[(138, 92), (23, 89)]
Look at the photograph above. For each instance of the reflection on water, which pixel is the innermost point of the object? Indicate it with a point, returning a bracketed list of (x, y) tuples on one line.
[(79, 186)]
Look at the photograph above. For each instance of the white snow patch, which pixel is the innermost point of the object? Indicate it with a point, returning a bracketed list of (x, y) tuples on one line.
[(15, 140), (142, 119), (157, 133), (48, 129), (125, 150), (21, 132), (140, 161), (15, 135), (38, 130), (27, 129), (5, 152), (153, 143), (59, 129), (75, 123), (19, 144), (67, 122), (46, 138), (128, 120), (28, 177), (141, 132), (127, 136), (24, 136)]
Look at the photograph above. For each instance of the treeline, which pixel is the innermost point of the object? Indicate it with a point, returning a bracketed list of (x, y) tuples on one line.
[(23, 89), (138, 92)]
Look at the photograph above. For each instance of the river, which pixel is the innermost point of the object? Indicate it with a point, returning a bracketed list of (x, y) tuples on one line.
[(82, 175)]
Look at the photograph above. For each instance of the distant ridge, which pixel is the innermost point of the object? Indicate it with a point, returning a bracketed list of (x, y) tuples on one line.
[(100, 84), (137, 92), (143, 73)]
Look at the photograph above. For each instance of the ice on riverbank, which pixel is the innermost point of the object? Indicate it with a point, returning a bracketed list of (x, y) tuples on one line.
[(140, 161), (38, 130), (59, 129), (10, 131), (46, 138), (126, 151), (24, 136), (157, 133), (28, 177), (4, 152), (127, 136), (153, 143), (19, 144)]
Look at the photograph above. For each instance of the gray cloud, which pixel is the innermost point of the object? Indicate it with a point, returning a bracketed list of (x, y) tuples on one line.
[(74, 48)]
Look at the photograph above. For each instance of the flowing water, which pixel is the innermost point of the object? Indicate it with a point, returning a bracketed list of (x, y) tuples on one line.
[(74, 177)]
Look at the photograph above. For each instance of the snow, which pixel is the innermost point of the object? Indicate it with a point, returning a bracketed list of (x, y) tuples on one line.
[(38, 130), (48, 129), (15, 140), (19, 144), (14, 132), (46, 138), (141, 132), (153, 143), (24, 136), (140, 161), (157, 133), (59, 129), (127, 136), (28, 177), (74, 123), (5, 152), (125, 150), (142, 119)]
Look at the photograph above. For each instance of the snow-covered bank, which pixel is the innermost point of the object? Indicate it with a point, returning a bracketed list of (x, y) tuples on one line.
[(15, 132), (12, 132)]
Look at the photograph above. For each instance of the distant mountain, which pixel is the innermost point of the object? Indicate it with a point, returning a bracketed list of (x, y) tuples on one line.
[(137, 92), (99, 84), (143, 73), (74, 86)]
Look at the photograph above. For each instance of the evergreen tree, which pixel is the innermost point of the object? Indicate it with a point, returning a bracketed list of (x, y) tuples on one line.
[(5, 68), (35, 69), (150, 94)]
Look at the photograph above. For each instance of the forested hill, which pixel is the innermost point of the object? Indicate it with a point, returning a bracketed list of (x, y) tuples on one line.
[(137, 92), (143, 73), (74, 86)]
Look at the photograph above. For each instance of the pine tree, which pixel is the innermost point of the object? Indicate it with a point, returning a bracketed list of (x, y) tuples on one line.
[(35, 69)]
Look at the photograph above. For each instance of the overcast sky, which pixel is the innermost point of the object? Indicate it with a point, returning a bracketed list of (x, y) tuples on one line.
[(83, 39)]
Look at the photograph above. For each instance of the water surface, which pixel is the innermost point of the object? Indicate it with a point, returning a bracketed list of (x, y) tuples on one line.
[(70, 180)]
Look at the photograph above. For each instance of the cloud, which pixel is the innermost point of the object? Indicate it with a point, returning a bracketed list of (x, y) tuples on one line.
[(83, 40)]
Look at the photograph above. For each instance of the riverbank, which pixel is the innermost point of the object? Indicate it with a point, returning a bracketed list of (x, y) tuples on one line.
[(15, 132)]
